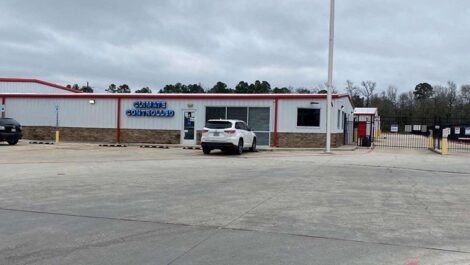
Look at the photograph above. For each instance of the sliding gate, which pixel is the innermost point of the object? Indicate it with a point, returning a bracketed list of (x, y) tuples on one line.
[(402, 132)]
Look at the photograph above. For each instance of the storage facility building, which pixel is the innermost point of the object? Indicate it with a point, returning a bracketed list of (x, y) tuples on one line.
[(281, 120)]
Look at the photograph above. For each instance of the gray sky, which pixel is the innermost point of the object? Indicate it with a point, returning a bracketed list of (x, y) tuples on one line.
[(156, 42)]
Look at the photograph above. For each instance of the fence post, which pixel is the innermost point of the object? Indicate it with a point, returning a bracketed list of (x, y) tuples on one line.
[(444, 146), (57, 136)]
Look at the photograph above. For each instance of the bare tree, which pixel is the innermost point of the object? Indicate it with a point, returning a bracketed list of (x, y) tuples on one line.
[(351, 89), (392, 94), (465, 92), (452, 95), (367, 90)]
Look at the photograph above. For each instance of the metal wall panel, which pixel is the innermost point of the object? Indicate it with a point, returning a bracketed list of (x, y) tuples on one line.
[(287, 115), (20, 87), (72, 112)]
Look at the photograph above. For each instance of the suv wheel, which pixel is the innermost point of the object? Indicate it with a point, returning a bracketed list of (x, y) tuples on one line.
[(206, 150), (253, 146), (12, 142), (240, 147)]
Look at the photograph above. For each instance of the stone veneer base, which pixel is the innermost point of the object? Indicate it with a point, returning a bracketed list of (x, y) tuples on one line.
[(108, 135), (73, 134)]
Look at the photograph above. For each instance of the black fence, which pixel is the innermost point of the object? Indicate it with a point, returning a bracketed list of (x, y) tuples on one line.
[(458, 138), (422, 133), (403, 132)]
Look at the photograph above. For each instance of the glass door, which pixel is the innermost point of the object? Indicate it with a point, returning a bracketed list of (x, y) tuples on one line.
[(188, 134)]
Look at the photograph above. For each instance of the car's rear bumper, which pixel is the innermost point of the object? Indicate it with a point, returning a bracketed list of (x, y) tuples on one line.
[(10, 136), (218, 145)]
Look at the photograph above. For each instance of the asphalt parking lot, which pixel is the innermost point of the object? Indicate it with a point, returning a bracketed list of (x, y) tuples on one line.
[(84, 204)]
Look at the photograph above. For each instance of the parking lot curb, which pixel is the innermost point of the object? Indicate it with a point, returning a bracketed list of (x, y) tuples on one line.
[(155, 146), (112, 145), (276, 149), (192, 147), (40, 142)]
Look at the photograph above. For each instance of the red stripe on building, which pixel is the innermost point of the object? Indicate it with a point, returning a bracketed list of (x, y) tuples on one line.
[(177, 96)]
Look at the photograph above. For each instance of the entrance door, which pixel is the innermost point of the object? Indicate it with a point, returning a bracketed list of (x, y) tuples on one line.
[(189, 133)]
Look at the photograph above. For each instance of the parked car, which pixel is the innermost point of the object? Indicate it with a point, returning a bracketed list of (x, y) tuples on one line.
[(227, 135), (10, 131)]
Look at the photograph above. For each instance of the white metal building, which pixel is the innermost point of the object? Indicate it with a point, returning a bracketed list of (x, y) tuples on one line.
[(284, 120)]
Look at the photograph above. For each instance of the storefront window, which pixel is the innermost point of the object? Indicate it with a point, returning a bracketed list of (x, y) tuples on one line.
[(215, 113), (308, 117), (262, 138), (237, 113), (258, 120)]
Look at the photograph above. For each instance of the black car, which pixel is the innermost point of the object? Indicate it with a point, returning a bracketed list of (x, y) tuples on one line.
[(10, 131)]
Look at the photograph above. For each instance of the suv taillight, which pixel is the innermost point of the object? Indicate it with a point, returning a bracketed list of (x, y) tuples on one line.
[(230, 131)]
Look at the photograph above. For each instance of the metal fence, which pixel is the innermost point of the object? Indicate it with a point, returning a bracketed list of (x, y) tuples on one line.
[(402, 132), (458, 138), (399, 132)]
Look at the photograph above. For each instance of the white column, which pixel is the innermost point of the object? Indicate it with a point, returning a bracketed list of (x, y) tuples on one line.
[(330, 76)]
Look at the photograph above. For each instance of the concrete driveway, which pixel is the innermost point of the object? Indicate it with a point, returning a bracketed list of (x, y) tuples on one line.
[(84, 204)]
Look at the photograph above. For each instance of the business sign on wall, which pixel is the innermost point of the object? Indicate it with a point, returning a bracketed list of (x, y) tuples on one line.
[(150, 109)]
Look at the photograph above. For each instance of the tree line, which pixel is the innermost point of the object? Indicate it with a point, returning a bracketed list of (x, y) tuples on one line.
[(441, 102), (258, 87)]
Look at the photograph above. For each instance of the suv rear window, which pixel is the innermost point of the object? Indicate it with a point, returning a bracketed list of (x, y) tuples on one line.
[(218, 125), (7, 121)]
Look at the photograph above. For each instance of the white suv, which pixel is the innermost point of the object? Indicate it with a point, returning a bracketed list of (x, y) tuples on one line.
[(227, 135)]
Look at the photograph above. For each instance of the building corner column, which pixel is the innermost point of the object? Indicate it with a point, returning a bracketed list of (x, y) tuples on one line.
[(118, 121), (276, 103)]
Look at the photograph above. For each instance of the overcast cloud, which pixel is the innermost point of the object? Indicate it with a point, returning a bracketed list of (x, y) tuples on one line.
[(156, 42)]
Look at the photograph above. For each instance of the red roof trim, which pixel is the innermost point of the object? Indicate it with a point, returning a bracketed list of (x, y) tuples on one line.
[(178, 96), (28, 80), (79, 94)]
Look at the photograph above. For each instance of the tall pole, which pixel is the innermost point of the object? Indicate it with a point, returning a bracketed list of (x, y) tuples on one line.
[(330, 76)]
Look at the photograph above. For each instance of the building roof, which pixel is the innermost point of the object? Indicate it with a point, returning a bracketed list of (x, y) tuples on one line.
[(176, 96), (39, 82), (79, 94), (366, 111)]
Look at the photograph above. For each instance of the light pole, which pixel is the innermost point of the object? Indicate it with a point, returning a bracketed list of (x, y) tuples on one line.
[(330, 76)]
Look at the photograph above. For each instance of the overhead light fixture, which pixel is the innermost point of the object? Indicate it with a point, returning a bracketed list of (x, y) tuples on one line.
[(92, 101)]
